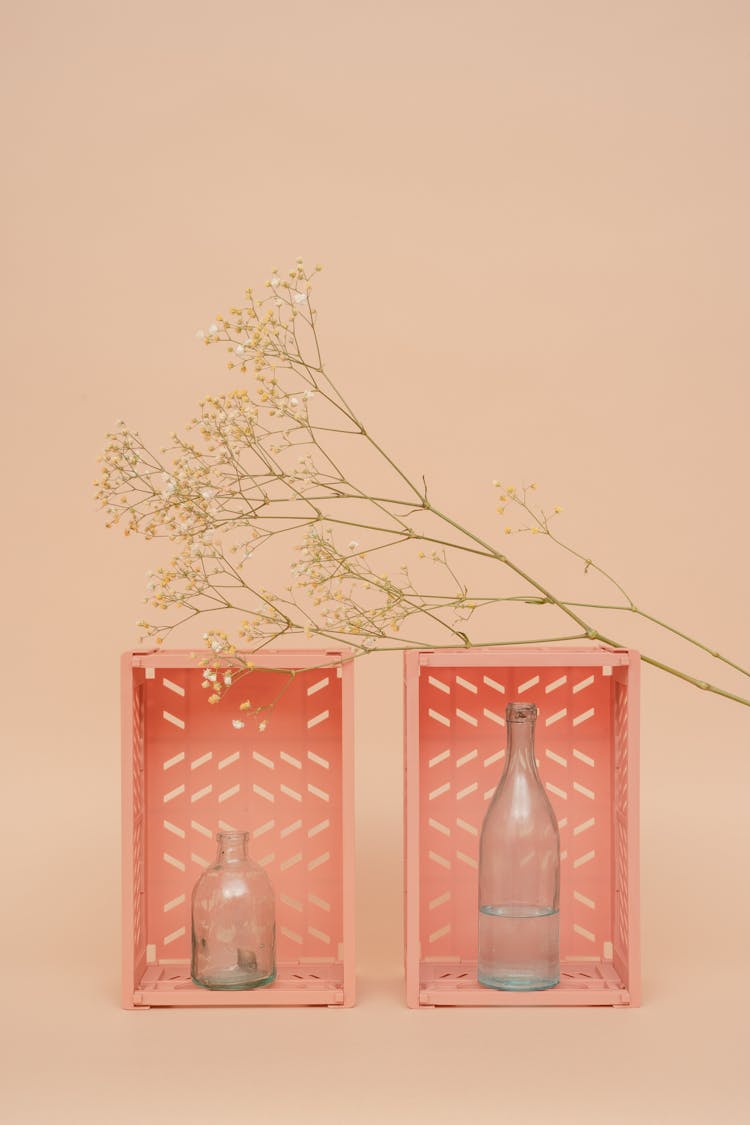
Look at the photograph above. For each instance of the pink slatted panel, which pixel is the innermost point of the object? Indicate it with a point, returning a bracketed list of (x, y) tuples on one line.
[(139, 820), (462, 752), (622, 903), (283, 785)]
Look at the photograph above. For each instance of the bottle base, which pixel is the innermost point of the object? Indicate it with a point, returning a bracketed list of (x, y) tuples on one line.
[(232, 981), (517, 984)]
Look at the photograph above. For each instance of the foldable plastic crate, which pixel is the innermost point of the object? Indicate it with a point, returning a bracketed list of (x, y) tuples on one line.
[(587, 750), (187, 772)]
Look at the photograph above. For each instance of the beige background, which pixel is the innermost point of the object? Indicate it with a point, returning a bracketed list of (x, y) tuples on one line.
[(534, 221)]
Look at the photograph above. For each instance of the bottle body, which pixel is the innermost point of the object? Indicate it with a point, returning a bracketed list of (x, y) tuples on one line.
[(519, 871), (233, 920)]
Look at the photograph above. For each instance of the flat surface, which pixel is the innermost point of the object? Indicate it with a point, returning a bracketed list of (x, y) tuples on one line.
[(534, 222), (171, 985), (581, 982)]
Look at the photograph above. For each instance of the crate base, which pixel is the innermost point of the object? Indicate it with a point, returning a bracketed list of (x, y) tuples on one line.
[(170, 986), (455, 984)]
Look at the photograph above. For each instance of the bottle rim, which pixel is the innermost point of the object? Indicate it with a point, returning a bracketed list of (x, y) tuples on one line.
[(517, 712), (233, 836)]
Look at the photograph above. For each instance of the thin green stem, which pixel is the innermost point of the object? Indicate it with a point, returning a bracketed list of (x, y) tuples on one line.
[(636, 611), (489, 549), (240, 495), (702, 684)]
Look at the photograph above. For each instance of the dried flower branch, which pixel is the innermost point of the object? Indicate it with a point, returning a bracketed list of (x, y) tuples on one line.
[(267, 467)]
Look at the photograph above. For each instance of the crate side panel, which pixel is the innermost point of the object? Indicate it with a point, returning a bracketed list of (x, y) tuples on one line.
[(139, 829), (347, 951), (462, 755), (621, 782), (133, 950), (283, 785), (411, 822)]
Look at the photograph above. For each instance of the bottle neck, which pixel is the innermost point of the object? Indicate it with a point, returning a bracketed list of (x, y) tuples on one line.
[(232, 847), (521, 743)]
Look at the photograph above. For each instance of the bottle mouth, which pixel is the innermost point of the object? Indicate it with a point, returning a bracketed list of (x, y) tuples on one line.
[(521, 712), (232, 837)]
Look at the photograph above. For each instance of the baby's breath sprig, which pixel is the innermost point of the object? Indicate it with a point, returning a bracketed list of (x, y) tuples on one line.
[(270, 465)]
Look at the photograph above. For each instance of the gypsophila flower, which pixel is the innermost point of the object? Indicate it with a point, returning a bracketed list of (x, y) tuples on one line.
[(255, 469), (237, 724)]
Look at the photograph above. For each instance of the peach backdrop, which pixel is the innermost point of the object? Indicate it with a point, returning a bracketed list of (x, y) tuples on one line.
[(534, 222)]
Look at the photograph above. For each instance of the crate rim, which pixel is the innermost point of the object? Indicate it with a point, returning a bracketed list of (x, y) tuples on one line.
[(625, 666), (508, 655), (188, 658), (136, 662)]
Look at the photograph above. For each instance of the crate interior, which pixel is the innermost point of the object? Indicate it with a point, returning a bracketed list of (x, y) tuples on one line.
[(195, 774), (582, 756)]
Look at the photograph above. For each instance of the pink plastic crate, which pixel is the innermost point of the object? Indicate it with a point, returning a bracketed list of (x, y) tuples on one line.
[(587, 749), (187, 773)]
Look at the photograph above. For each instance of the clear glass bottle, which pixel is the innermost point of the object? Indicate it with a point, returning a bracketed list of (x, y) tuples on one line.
[(519, 871), (234, 928)]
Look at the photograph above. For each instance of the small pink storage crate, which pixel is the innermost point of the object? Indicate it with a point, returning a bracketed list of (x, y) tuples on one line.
[(187, 772), (587, 750)]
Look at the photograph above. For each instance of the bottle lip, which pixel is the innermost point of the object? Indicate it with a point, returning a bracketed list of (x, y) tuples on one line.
[(521, 712), (232, 836)]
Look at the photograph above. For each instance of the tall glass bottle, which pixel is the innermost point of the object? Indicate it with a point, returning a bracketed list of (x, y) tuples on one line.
[(234, 929), (519, 871)]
